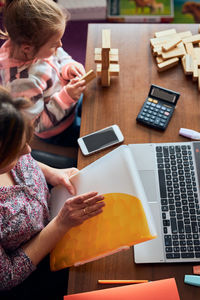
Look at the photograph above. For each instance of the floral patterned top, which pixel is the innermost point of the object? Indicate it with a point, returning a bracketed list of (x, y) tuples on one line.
[(23, 213)]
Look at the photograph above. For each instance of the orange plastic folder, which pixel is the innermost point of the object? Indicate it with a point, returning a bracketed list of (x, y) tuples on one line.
[(126, 219), (165, 289)]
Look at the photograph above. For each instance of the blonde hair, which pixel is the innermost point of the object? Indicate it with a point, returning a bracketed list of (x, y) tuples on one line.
[(32, 22), (14, 125)]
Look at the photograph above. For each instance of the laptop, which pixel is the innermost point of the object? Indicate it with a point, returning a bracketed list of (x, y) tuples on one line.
[(170, 173)]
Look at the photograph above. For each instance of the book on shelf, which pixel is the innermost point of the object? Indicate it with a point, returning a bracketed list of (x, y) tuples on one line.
[(141, 11), (126, 218)]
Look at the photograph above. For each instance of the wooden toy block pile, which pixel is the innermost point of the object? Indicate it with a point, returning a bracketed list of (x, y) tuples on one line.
[(106, 59), (170, 47)]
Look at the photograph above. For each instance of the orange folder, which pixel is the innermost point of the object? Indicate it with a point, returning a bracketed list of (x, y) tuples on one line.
[(165, 289)]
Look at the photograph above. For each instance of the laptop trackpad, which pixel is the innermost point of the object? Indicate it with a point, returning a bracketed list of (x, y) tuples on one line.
[(151, 251)]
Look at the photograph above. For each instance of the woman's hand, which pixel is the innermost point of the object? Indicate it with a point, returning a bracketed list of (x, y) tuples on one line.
[(78, 209), (59, 176), (75, 88)]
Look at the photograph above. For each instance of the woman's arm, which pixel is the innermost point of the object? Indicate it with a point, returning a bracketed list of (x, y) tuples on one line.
[(17, 265), (74, 212)]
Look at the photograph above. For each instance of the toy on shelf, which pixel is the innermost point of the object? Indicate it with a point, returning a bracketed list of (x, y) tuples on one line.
[(170, 47), (107, 59)]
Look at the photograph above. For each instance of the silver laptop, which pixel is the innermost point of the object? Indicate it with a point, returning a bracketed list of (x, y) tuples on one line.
[(170, 173)]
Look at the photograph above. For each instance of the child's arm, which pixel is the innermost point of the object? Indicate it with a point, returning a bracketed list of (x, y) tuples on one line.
[(52, 102)]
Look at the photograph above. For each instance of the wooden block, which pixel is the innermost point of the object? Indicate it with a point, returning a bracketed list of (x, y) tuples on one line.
[(192, 39), (196, 270), (197, 55), (105, 58), (185, 34), (113, 69), (199, 79), (188, 64), (113, 55), (157, 50), (190, 49), (159, 59), (167, 64), (171, 45), (164, 39), (179, 51), (195, 70), (105, 78), (88, 76), (164, 32), (106, 38), (183, 64)]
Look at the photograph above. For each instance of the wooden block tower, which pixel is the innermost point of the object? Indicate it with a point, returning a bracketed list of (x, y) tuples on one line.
[(106, 59)]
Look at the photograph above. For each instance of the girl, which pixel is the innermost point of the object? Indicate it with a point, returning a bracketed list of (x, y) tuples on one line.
[(26, 235), (34, 65)]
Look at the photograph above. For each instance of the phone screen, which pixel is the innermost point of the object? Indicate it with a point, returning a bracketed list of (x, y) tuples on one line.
[(101, 139)]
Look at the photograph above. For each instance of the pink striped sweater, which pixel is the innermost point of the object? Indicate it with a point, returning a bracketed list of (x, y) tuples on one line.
[(41, 80)]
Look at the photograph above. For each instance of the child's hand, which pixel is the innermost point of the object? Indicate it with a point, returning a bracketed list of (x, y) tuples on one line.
[(75, 88), (75, 71)]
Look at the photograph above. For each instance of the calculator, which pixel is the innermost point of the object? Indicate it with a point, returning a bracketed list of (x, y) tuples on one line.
[(158, 108)]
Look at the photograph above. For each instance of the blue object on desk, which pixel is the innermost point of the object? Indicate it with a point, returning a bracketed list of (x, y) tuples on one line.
[(192, 279)]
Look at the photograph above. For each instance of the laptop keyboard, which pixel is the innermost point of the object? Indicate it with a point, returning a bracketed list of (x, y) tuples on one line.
[(179, 202)]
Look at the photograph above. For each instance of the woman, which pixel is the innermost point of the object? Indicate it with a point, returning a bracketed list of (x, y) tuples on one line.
[(27, 236)]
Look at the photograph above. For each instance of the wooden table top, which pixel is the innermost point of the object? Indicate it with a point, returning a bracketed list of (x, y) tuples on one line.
[(120, 104)]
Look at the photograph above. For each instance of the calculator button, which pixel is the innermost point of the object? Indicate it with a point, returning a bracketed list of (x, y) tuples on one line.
[(163, 108), (150, 100), (157, 121), (158, 106), (166, 113), (141, 117), (155, 101), (168, 109), (153, 104)]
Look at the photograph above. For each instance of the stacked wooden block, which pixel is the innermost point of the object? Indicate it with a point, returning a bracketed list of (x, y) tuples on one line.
[(107, 59), (170, 47)]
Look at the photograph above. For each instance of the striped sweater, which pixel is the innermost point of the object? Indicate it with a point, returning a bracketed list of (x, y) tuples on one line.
[(42, 81)]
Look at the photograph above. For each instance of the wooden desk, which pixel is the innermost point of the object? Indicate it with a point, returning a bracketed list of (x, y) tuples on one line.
[(120, 104)]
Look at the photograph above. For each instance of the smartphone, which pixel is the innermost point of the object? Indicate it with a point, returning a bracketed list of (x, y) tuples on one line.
[(100, 139)]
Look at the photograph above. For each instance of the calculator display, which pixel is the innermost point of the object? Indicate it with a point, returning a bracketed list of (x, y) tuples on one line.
[(163, 95)]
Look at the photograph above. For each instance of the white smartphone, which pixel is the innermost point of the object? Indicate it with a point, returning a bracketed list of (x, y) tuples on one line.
[(100, 139)]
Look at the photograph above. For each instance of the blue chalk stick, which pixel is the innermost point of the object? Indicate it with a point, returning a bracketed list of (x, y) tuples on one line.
[(192, 279)]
